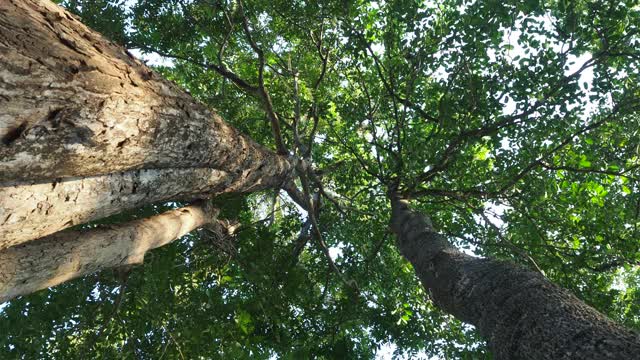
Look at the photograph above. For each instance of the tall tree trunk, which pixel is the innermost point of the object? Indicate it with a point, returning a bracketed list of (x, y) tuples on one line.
[(88, 131), (30, 211), (70, 254), (519, 312)]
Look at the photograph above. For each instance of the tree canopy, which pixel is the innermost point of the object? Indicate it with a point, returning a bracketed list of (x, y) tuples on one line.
[(514, 124)]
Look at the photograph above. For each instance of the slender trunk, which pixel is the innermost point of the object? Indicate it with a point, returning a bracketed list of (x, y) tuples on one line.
[(519, 312), (88, 131), (70, 254)]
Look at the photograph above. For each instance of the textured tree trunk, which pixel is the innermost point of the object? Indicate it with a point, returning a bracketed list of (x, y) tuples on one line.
[(30, 211), (519, 312), (70, 254), (88, 131)]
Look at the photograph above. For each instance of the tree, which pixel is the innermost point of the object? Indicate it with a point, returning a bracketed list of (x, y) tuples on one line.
[(76, 143), (520, 313), (373, 99)]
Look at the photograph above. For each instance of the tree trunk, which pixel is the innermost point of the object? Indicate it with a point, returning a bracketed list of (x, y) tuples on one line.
[(519, 312), (88, 131), (32, 211), (70, 254)]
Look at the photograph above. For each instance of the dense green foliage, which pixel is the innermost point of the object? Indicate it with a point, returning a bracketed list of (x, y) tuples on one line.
[(513, 124)]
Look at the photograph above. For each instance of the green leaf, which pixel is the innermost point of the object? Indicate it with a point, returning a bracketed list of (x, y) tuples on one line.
[(584, 163)]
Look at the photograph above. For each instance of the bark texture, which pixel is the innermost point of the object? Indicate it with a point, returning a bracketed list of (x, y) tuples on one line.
[(75, 104), (30, 211), (70, 254), (87, 130), (519, 312)]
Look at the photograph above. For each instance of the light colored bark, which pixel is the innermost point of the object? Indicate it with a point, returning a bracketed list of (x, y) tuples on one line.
[(89, 131), (520, 313), (75, 104), (31, 211), (70, 254)]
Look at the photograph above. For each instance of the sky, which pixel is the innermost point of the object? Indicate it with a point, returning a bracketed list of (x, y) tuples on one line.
[(386, 351)]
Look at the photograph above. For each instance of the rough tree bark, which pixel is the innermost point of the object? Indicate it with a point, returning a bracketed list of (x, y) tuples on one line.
[(88, 131), (519, 312), (69, 254)]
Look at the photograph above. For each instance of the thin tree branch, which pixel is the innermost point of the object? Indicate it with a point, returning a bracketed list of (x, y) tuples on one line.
[(316, 230), (264, 94), (466, 135), (592, 171)]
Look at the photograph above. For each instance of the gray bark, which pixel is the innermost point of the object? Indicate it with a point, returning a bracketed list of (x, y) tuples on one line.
[(87, 130), (519, 312), (69, 254)]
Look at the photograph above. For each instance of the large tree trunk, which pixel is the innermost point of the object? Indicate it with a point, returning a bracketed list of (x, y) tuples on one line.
[(519, 312), (70, 254), (30, 211), (88, 131)]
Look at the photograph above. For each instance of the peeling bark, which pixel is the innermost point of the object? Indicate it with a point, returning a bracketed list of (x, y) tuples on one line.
[(70, 254), (519, 312), (88, 131)]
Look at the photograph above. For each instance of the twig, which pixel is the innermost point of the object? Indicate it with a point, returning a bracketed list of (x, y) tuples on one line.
[(318, 233)]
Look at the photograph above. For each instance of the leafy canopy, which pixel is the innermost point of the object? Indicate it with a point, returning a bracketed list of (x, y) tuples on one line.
[(513, 124)]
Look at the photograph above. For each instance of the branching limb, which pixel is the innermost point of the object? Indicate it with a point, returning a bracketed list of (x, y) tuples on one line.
[(318, 234), (220, 69), (262, 91), (467, 135), (593, 171)]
